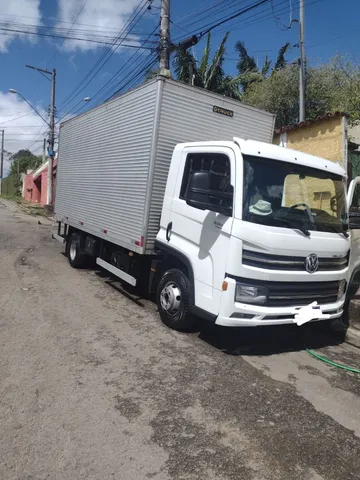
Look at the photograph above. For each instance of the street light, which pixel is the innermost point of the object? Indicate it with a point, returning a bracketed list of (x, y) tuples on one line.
[(86, 99), (11, 90)]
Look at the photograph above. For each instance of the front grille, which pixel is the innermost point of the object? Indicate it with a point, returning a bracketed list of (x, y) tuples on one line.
[(285, 294), (282, 294), (283, 262)]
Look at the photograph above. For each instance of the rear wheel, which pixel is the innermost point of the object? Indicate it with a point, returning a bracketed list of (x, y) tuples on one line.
[(173, 300), (76, 257)]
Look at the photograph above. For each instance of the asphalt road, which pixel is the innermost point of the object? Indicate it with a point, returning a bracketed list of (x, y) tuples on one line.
[(94, 387)]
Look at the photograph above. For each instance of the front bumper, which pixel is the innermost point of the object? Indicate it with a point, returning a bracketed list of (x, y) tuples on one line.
[(234, 314)]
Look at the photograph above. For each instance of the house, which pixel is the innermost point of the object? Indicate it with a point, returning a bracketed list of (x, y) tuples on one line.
[(325, 136), (35, 184)]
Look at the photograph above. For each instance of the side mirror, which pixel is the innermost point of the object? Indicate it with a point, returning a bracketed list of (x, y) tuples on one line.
[(201, 196)]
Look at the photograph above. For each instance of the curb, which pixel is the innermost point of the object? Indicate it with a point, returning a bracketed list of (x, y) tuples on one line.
[(352, 336)]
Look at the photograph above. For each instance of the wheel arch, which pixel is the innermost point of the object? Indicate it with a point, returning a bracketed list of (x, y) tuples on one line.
[(172, 258)]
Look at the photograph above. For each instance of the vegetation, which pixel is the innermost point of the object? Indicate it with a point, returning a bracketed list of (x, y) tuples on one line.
[(208, 73), (250, 72), (332, 86), (21, 162)]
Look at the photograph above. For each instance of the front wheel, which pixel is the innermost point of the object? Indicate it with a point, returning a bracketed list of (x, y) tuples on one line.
[(173, 300)]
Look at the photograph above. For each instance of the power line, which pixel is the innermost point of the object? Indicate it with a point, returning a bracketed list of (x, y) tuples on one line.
[(278, 20), (17, 118), (58, 21), (218, 8), (232, 17), (90, 40), (121, 68), (197, 13), (105, 57), (62, 43), (63, 32), (137, 75), (260, 18)]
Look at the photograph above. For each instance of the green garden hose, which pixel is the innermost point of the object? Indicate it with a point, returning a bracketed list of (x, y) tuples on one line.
[(334, 364)]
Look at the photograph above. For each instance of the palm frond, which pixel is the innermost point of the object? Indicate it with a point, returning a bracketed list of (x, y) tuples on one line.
[(215, 72), (205, 58), (266, 66), (281, 61), (246, 63)]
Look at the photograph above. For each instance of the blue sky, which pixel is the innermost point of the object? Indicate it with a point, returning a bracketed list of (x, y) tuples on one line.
[(331, 27)]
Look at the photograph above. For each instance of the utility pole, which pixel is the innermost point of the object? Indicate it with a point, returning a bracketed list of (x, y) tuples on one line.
[(2, 159), (44, 151), (165, 44), (302, 113), (51, 141)]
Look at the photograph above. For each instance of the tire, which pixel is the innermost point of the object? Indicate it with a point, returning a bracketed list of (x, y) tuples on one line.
[(352, 290), (76, 258), (173, 300)]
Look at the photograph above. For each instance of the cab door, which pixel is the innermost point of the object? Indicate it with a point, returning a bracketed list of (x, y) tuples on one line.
[(202, 234), (354, 225)]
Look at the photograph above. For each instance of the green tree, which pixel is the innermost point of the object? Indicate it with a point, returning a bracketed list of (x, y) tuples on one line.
[(333, 86), (209, 72), (21, 162), (250, 72)]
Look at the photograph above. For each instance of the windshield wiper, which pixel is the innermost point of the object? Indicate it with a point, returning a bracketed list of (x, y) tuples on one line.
[(302, 229), (333, 228)]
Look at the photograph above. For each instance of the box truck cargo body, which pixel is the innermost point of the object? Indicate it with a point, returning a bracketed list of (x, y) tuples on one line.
[(159, 189), (114, 160)]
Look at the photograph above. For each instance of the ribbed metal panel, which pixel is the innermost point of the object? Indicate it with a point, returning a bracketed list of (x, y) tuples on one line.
[(103, 167), (187, 115), (103, 177)]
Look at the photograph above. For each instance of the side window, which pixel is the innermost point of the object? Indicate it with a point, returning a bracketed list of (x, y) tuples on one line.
[(355, 204), (218, 165)]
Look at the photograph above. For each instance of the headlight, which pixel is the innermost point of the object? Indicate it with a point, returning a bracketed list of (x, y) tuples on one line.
[(342, 288), (251, 294)]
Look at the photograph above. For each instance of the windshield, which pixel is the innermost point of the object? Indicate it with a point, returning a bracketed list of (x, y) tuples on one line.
[(287, 195)]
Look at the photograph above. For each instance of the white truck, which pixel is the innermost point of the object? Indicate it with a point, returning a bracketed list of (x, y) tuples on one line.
[(240, 232)]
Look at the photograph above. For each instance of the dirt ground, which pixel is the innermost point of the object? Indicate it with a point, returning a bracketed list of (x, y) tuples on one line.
[(94, 387)]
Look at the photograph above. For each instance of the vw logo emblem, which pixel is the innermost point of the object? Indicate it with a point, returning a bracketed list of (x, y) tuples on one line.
[(312, 263)]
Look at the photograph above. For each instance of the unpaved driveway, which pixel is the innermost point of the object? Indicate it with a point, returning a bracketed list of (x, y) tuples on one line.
[(94, 387)]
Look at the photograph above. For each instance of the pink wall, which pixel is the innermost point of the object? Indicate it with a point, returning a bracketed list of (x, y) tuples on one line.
[(31, 191), (35, 191)]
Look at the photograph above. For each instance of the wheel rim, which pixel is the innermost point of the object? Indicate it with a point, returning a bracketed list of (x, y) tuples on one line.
[(170, 298), (73, 250)]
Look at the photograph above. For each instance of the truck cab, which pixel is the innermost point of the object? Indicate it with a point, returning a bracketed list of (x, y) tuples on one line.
[(260, 234)]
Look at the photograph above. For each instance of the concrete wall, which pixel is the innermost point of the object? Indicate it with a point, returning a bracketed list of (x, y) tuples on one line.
[(31, 190), (324, 138), (35, 191), (354, 134)]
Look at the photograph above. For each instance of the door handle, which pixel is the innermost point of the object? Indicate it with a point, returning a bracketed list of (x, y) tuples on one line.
[(168, 231)]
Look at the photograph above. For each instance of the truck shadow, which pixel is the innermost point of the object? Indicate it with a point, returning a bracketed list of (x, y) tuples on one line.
[(245, 340), (126, 290), (268, 340)]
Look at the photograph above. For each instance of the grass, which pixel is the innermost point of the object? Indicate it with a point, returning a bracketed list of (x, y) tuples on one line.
[(26, 207), (12, 198)]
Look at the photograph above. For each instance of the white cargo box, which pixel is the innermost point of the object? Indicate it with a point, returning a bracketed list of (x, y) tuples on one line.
[(113, 160)]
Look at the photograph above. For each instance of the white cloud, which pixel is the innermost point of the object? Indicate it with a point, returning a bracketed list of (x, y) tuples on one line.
[(108, 17), (23, 127), (21, 12)]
